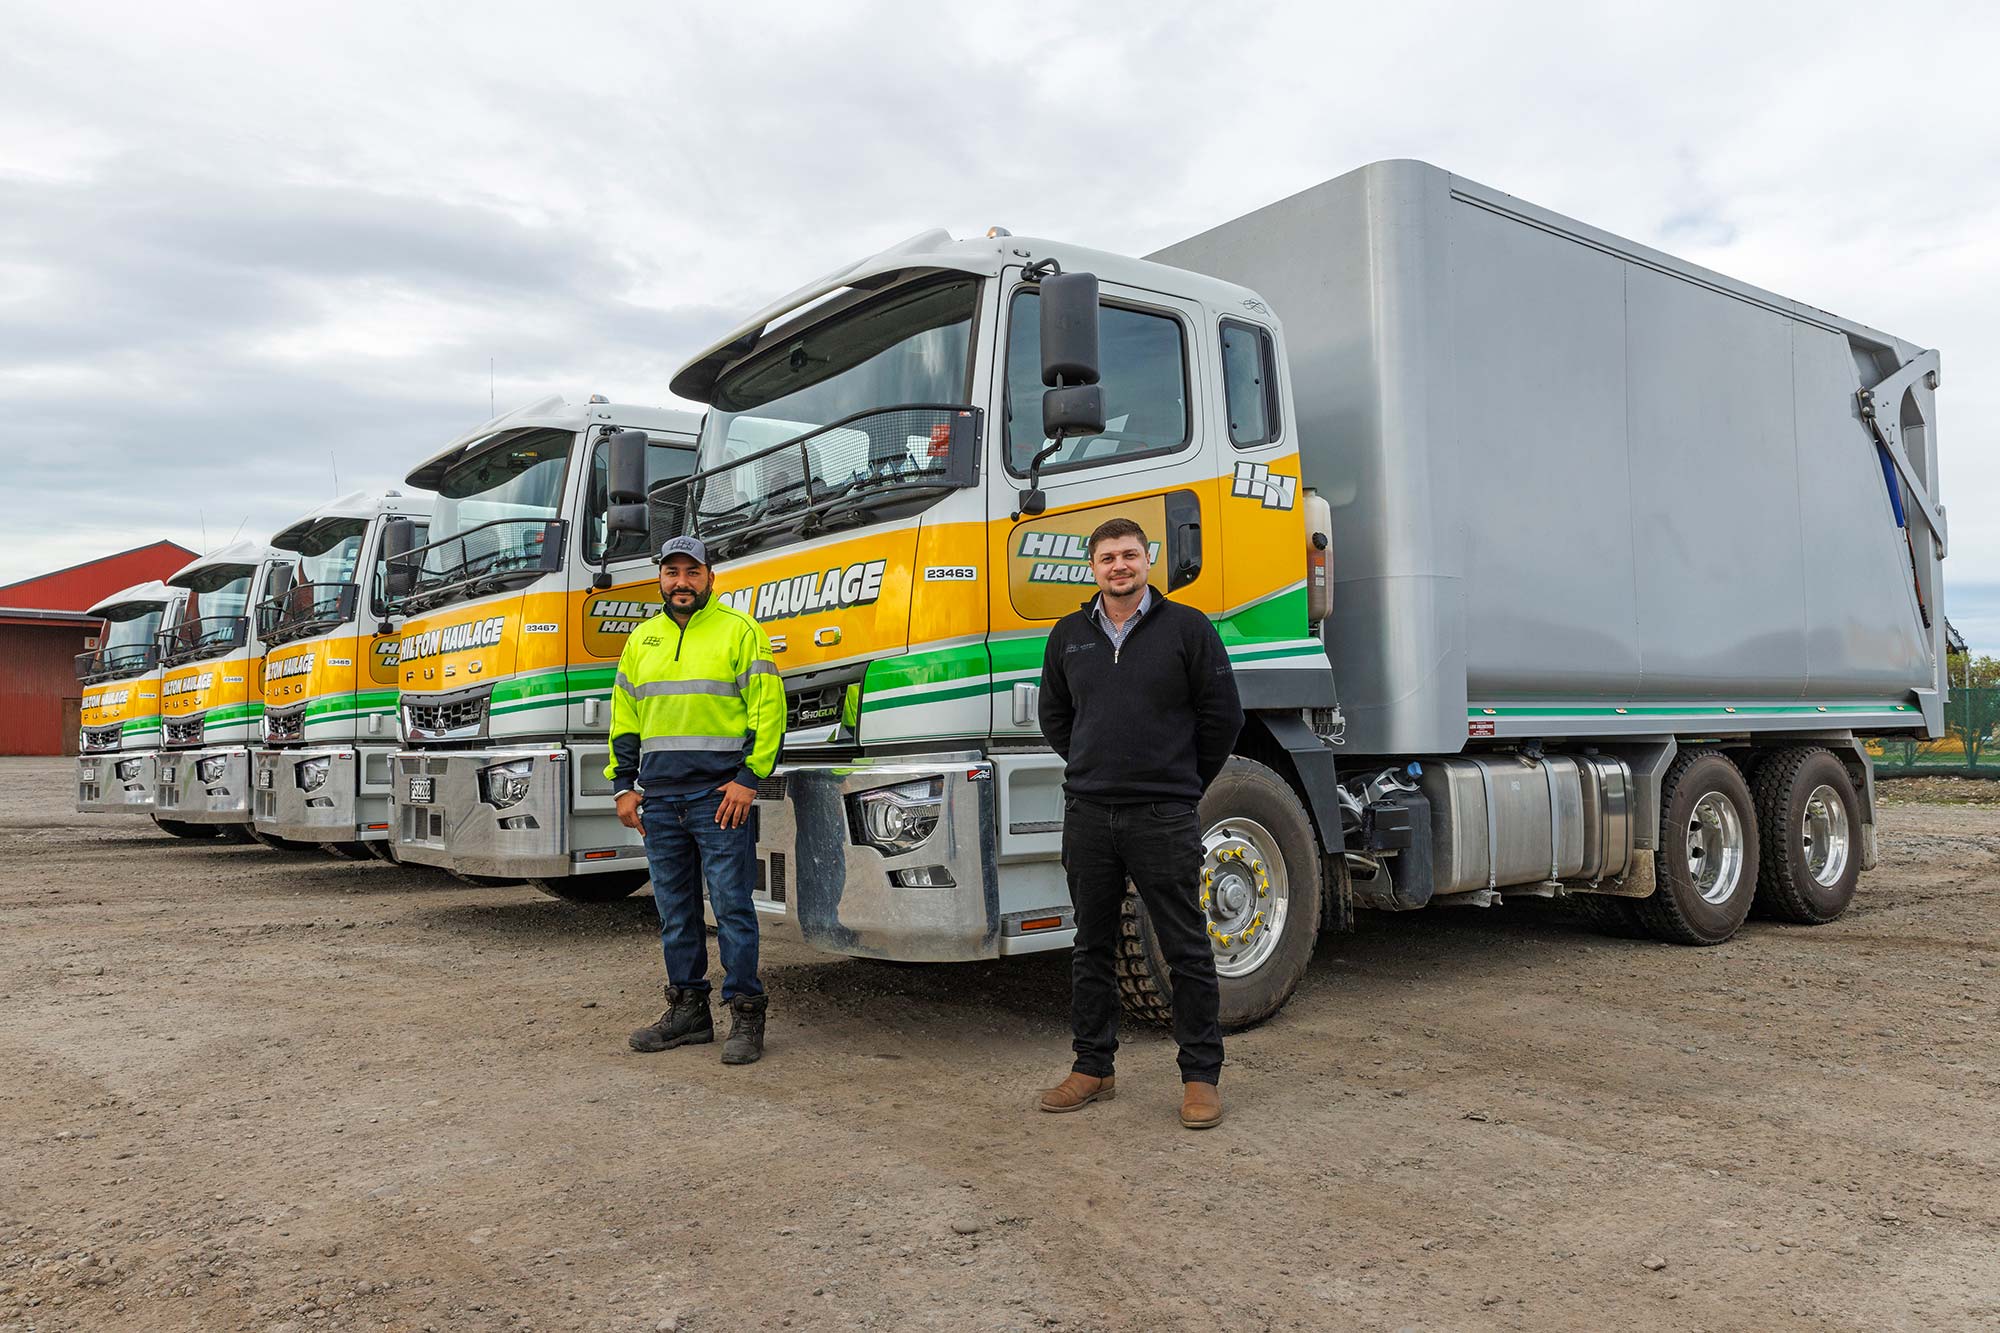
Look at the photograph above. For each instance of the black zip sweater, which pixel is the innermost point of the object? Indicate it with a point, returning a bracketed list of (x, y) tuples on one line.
[(1152, 720)]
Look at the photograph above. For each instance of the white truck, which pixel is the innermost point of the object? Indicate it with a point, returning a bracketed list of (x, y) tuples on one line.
[(1549, 564), (321, 774), (517, 609), (119, 739), (211, 689)]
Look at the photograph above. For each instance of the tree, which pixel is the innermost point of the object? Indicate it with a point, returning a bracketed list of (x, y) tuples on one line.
[(1973, 710)]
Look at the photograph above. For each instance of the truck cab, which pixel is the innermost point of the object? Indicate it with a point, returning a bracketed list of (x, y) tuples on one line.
[(517, 607), (321, 774), (877, 485), (120, 735), (211, 688)]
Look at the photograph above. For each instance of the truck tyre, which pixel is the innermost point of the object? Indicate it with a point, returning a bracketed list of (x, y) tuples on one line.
[(182, 829), (1707, 860), (346, 851), (1809, 827), (384, 850), (1260, 873), (278, 844), (237, 834), (606, 888)]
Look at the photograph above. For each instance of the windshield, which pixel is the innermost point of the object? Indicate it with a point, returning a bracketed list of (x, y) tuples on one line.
[(330, 551), (129, 641), (223, 591), (493, 508), (913, 346)]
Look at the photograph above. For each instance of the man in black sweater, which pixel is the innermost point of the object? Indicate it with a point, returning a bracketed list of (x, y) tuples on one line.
[(1138, 699)]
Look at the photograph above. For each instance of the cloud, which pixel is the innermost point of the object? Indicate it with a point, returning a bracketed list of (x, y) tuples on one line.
[(237, 239)]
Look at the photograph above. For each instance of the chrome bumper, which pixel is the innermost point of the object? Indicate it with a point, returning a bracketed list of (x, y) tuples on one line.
[(565, 824), (179, 792), (350, 805), (817, 885), (115, 782)]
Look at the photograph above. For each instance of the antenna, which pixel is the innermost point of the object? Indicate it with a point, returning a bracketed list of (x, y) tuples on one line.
[(491, 409), (202, 519), (336, 471)]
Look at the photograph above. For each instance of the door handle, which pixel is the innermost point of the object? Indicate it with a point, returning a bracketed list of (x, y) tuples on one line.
[(1183, 538)]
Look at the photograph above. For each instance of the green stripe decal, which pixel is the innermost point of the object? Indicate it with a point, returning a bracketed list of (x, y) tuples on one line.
[(996, 666)]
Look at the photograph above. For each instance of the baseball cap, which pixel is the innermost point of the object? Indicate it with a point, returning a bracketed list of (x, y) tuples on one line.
[(691, 547)]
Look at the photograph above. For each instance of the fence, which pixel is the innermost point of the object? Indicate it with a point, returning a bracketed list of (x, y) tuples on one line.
[(1971, 743)]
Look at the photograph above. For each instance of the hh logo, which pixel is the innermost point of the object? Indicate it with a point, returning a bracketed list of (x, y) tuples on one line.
[(1255, 482)]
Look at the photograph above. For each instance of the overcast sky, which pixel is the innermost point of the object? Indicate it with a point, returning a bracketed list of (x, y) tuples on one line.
[(243, 246)]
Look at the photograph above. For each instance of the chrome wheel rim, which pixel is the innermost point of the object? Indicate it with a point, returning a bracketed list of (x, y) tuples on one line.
[(1824, 836), (1245, 895), (1715, 848)]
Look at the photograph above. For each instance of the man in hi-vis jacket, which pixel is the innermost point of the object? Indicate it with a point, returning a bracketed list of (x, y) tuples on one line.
[(697, 716)]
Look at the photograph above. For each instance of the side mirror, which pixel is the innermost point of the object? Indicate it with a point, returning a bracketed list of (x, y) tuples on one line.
[(399, 538), (626, 483), (1074, 403), (1069, 329)]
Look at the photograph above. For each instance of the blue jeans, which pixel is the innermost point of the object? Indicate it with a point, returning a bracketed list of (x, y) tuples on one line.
[(684, 846)]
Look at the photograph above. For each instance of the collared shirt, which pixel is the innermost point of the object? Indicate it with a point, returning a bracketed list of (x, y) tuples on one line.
[(1116, 633)]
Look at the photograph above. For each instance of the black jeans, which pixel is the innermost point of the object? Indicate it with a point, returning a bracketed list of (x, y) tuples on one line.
[(1156, 845)]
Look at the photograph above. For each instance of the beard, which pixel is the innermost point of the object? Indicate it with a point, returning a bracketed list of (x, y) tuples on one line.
[(696, 600)]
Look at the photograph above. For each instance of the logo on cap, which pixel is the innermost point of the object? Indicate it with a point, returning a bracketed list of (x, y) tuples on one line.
[(690, 547)]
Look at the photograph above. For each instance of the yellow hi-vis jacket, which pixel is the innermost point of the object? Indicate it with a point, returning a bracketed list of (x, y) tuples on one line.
[(697, 707)]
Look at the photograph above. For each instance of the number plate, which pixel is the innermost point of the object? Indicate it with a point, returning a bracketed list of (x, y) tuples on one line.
[(166, 772), (421, 790), (264, 778)]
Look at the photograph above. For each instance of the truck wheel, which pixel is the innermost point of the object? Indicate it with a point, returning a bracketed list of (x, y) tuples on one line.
[(1809, 826), (183, 829), (1260, 889), (384, 850), (233, 833), (278, 844), (346, 851), (483, 881), (605, 888), (1708, 852)]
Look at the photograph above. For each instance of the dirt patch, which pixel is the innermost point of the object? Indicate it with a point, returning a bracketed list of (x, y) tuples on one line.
[(1938, 789), (249, 1090)]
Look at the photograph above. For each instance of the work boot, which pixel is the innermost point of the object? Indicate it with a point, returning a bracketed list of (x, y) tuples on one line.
[(1201, 1106), (687, 1021), (1078, 1091), (745, 1045)]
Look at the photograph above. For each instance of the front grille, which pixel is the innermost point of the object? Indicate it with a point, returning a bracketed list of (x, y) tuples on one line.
[(183, 731), (98, 739), (285, 725), (452, 717)]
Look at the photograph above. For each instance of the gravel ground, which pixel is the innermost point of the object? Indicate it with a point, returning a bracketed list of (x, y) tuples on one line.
[(249, 1090)]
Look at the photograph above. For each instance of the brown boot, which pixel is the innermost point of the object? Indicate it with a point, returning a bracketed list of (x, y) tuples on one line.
[(1078, 1091), (1201, 1106)]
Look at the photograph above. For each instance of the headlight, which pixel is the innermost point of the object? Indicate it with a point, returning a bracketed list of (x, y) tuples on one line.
[(313, 773), (128, 770), (502, 785), (211, 769), (897, 819)]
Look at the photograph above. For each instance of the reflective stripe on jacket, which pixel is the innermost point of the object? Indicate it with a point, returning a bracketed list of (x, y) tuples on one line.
[(695, 707)]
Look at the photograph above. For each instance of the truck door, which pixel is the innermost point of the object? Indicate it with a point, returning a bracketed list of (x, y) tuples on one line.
[(1156, 463), (602, 618)]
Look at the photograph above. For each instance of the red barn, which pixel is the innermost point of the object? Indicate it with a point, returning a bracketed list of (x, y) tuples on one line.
[(43, 628)]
